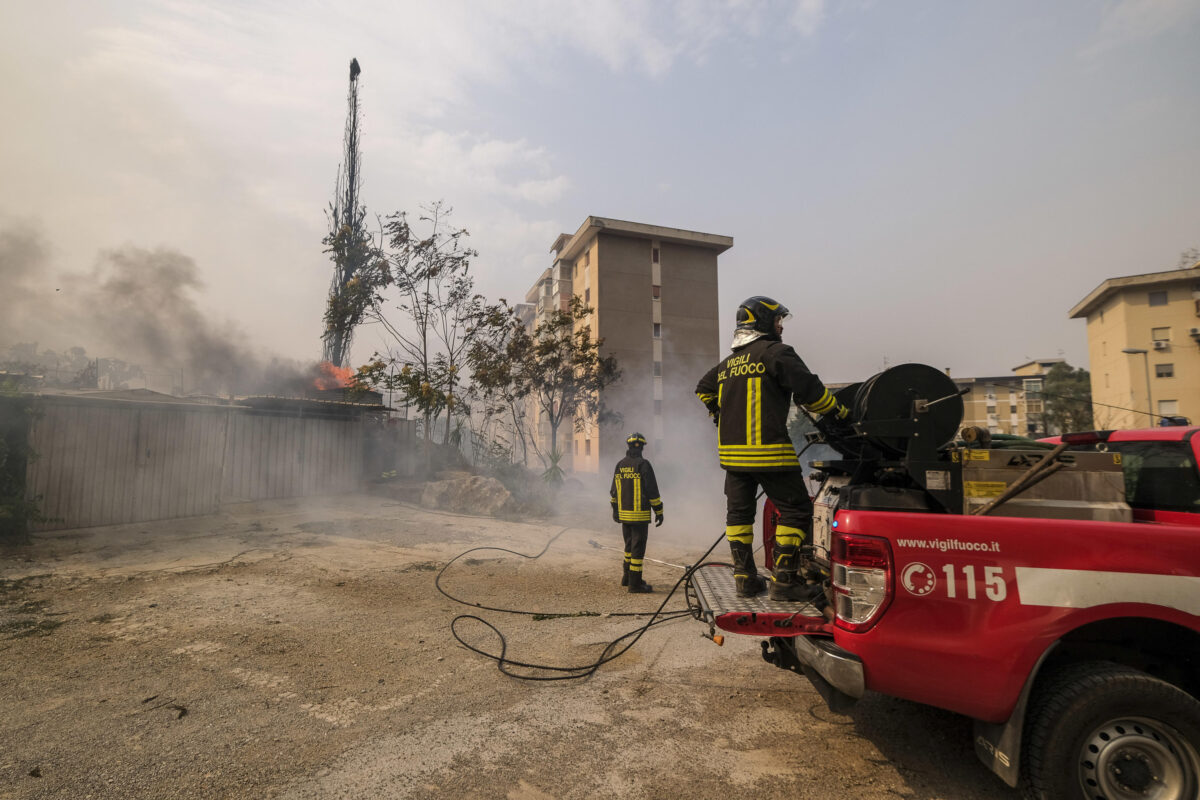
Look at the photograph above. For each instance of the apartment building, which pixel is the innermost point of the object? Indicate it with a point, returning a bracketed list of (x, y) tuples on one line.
[(1144, 347), (653, 291), (1009, 404)]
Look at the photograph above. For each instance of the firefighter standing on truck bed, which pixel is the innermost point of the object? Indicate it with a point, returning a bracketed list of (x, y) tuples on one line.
[(749, 395), (634, 494)]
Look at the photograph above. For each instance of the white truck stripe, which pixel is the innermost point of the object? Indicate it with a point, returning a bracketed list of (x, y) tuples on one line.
[(1079, 588)]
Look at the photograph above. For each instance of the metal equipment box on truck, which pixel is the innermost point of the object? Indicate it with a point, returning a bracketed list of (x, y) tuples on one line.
[(1066, 626)]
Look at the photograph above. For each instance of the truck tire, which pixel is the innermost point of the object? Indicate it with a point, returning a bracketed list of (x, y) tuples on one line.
[(1102, 731)]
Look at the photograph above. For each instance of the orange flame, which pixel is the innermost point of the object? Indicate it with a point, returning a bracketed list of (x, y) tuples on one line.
[(329, 376)]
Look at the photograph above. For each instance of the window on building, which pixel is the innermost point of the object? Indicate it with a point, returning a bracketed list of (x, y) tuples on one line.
[(656, 292), (1033, 400), (587, 447), (587, 257), (1012, 409), (1158, 298), (1160, 334), (1167, 408), (587, 295), (576, 447), (658, 330), (658, 369), (654, 255), (1164, 370)]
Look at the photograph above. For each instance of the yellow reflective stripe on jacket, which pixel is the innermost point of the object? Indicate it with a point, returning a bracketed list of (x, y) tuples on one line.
[(759, 455), (822, 405), (656, 504), (754, 411), (634, 516)]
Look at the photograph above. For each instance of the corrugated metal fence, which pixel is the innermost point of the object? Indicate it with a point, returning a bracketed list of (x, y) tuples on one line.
[(104, 462)]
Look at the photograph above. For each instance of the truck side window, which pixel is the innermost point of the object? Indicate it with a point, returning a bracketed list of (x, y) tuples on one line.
[(1160, 475)]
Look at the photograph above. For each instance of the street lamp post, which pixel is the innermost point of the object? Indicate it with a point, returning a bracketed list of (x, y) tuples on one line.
[(1133, 351)]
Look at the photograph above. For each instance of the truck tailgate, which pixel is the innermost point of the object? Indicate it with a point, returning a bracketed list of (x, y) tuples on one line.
[(716, 594)]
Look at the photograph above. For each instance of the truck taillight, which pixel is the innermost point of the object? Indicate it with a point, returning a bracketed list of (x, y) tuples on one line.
[(862, 580)]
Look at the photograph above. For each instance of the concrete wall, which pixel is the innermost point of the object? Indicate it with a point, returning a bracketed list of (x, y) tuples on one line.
[(106, 462)]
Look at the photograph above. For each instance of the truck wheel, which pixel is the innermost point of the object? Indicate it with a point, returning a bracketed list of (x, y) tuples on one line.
[(1101, 731)]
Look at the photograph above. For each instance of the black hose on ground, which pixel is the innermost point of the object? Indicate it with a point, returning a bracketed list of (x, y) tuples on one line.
[(505, 664)]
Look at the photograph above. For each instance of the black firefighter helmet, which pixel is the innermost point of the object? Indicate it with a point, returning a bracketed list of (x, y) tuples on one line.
[(636, 440), (759, 314)]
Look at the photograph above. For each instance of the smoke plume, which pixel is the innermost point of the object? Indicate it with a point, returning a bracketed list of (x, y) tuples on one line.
[(137, 305)]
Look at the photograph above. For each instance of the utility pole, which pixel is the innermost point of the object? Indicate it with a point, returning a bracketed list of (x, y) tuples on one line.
[(345, 221)]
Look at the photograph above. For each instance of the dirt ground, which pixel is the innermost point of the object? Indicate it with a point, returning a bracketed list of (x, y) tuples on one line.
[(301, 650)]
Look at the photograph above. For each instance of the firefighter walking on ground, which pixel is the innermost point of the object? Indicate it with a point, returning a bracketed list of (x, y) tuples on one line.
[(634, 494), (749, 395)]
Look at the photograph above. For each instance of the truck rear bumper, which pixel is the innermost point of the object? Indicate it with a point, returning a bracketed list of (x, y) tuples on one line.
[(842, 669)]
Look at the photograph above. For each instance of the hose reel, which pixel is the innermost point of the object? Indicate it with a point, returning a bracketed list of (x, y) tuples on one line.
[(907, 411)]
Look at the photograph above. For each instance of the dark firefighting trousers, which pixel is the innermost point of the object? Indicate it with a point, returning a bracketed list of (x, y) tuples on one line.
[(635, 534), (786, 489)]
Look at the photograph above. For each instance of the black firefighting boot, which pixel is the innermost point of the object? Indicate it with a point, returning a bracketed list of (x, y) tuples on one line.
[(637, 585), (787, 582), (625, 575), (745, 574)]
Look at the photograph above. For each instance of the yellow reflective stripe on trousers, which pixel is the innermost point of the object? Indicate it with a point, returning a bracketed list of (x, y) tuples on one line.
[(787, 535), (740, 533), (637, 494)]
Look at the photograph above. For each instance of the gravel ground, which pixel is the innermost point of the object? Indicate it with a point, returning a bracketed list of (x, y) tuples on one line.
[(301, 650)]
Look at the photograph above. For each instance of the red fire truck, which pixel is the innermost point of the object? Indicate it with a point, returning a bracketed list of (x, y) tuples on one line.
[(1060, 611)]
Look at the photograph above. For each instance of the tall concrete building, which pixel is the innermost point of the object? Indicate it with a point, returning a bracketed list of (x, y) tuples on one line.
[(1144, 347), (654, 294)]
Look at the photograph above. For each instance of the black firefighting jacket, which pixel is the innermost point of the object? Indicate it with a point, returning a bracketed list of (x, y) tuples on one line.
[(749, 394), (634, 490)]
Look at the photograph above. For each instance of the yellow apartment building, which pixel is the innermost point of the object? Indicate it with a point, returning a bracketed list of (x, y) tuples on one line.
[(1144, 347)]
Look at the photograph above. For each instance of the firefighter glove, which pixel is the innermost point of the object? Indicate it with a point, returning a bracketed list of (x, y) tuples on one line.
[(616, 513), (658, 518)]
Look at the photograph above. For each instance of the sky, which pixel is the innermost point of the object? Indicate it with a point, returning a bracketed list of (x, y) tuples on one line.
[(917, 181)]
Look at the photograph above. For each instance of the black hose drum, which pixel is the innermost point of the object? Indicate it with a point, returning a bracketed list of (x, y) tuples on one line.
[(910, 410), (907, 406)]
